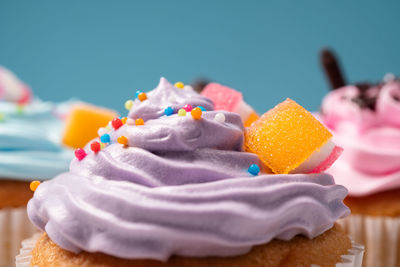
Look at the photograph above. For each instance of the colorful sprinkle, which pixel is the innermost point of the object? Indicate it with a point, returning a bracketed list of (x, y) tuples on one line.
[(95, 146), (80, 154), (182, 112), (20, 109), (254, 169), (196, 113), (103, 145), (129, 104), (219, 117), (168, 111), (123, 119), (188, 87), (179, 85), (130, 121), (188, 108), (202, 108), (116, 123), (34, 185), (142, 96), (102, 131), (105, 138), (123, 140), (139, 121), (137, 93)]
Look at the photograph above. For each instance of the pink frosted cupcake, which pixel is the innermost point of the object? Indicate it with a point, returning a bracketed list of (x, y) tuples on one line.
[(365, 120)]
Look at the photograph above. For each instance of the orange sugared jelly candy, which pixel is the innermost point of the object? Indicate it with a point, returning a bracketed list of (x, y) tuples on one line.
[(83, 122), (250, 119), (285, 136)]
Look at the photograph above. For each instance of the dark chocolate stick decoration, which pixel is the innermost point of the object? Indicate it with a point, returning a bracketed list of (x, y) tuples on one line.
[(332, 70), (199, 84)]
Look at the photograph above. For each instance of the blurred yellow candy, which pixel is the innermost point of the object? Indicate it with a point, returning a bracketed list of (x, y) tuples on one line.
[(285, 136), (83, 122), (128, 104)]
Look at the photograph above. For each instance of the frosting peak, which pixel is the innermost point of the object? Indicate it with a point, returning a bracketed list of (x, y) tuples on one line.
[(166, 95)]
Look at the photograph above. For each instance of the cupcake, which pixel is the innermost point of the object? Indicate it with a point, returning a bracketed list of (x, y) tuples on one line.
[(170, 185), (365, 120), (30, 149)]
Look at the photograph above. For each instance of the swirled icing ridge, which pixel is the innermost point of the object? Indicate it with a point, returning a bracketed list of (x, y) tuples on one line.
[(180, 188)]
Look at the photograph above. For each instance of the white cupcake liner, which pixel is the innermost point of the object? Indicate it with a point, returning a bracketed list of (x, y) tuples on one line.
[(14, 227), (380, 235), (354, 257)]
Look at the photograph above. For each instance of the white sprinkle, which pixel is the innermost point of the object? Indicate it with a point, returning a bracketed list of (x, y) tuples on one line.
[(188, 87), (101, 131), (130, 121), (389, 77), (219, 117)]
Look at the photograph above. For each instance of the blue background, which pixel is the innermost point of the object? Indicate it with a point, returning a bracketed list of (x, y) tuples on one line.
[(103, 51)]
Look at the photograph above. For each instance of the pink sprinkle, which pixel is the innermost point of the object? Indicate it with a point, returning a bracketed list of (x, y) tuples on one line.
[(188, 108), (80, 154)]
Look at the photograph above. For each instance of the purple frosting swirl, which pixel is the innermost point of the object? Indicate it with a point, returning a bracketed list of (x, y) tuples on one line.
[(180, 188)]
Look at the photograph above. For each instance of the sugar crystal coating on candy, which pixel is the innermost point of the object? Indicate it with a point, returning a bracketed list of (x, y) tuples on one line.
[(83, 123), (252, 118), (224, 98), (285, 136)]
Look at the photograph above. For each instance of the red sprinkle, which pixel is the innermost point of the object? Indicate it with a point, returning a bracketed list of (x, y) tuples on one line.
[(188, 107), (80, 154), (116, 123), (95, 146)]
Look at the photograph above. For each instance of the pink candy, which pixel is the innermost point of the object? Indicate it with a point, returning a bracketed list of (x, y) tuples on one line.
[(80, 154), (224, 98)]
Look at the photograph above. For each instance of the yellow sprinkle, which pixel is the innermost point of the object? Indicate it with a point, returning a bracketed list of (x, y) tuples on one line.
[(182, 112), (124, 120), (129, 104), (179, 85), (123, 140), (34, 185), (102, 145)]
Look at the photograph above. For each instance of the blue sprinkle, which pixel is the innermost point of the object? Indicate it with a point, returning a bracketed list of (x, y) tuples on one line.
[(137, 93), (202, 108), (168, 111), (105, 138), (254, 169)]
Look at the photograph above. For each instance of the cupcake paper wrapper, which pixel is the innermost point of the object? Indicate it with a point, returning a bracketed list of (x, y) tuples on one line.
[(14, 227), (381, 236), (352, 259)]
